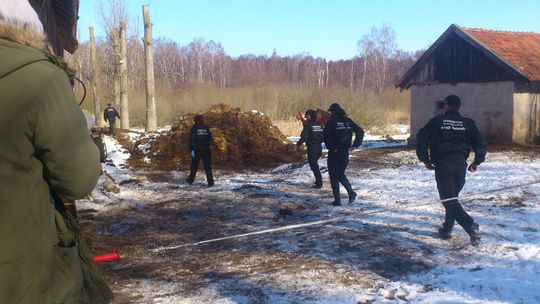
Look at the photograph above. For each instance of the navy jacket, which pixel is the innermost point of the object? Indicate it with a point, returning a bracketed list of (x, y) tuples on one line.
[(338, 133), (200, 137), (450, 136), (110, 114), (312, 134)]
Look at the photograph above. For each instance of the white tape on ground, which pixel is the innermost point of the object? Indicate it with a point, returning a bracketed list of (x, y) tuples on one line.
[(331, 220)]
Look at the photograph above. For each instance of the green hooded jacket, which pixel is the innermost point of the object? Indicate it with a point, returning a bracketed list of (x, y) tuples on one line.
[(45, 148)]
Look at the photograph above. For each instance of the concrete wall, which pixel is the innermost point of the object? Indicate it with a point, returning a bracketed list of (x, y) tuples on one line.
[(526, 118), (489, 104)]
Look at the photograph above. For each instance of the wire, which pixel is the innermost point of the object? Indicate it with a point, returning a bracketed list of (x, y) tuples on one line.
[(84, 90), (331, 220)]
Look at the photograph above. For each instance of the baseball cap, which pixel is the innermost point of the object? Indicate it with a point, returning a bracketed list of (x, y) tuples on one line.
[(452, 100), (334, 107)]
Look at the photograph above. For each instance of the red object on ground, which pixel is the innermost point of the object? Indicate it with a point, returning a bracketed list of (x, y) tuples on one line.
[(113, 256)]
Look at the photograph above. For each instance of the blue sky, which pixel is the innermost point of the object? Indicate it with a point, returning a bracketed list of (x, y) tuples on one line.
[(328, 29)]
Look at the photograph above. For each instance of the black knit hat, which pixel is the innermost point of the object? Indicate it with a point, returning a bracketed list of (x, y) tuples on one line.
[(198, 119)]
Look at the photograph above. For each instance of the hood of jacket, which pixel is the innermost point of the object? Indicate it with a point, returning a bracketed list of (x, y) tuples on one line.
[(21, 37), (20, 23)]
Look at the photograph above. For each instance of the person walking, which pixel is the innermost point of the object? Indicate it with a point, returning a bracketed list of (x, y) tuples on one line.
[(200, 140), (46, 155), (313, 136), (449, 139), (338, 138), (110, 114)]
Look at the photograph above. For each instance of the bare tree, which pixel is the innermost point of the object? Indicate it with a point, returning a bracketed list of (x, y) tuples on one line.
[(112, 13), (197, 50), (377, 48), (93, 77), (151, 117), (124, 103)]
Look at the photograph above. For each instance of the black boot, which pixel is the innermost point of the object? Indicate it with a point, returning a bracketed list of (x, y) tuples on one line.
[(445, 233), (474, 234), (352, 197), (336, 203)]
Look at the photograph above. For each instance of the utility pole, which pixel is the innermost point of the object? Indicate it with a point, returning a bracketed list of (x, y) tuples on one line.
[(151, 117), (93, 77), (124, 105)]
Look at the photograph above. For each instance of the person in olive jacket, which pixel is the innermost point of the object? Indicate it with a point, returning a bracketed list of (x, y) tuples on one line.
[(45, 152), (200, 141), (449, 139), (338, 139), (313, 135)]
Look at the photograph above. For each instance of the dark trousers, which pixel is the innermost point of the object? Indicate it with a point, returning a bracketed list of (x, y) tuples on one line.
[(313, 155), (450, 177), (111, 126), (206, 156), (337, 163)]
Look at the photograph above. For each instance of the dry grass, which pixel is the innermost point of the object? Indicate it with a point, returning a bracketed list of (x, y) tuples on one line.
[(290, 127), (281, 103)]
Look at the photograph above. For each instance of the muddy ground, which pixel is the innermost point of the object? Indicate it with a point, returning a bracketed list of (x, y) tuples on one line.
[(291, 266)]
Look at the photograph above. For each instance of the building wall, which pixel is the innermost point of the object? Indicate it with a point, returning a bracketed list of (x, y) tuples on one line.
[(45, 11), (526, 118), (490, 104)]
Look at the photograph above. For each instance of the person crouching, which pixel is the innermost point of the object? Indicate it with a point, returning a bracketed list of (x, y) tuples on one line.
[(200, 140)]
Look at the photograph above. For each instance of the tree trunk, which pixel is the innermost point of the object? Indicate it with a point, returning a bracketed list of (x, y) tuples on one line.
[(351, 84), (151, 118), (327, 72), (124, 104), (116, 71), (364, 73), (93, 77)]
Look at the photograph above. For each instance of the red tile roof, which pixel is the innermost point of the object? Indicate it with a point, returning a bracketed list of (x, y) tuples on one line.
[(520, 49)]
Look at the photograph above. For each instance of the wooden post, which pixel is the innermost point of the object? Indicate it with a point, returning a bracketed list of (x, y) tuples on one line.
[(93, 77), (151, 117), (116, 71), (124, 105)]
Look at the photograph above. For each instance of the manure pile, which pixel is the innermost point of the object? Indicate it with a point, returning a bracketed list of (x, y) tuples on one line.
[(240, 140)]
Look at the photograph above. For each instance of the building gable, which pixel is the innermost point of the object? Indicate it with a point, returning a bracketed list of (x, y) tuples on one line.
[(458, 56)]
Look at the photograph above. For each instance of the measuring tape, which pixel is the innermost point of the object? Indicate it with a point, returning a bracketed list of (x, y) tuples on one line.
[(331, 220)]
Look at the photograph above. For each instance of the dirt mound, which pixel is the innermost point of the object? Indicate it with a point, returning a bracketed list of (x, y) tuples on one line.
[(241, 140)]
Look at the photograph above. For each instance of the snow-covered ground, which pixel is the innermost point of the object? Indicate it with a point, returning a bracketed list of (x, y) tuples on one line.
[(372, 141), (391, 255)]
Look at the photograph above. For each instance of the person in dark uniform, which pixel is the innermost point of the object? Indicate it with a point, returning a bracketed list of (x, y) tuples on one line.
[(449, 139), (338, 137), (110, 114), (313, 136), (200, 140)]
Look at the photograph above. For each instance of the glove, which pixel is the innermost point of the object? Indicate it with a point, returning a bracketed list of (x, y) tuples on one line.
[(429, 165), (193, 153)]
